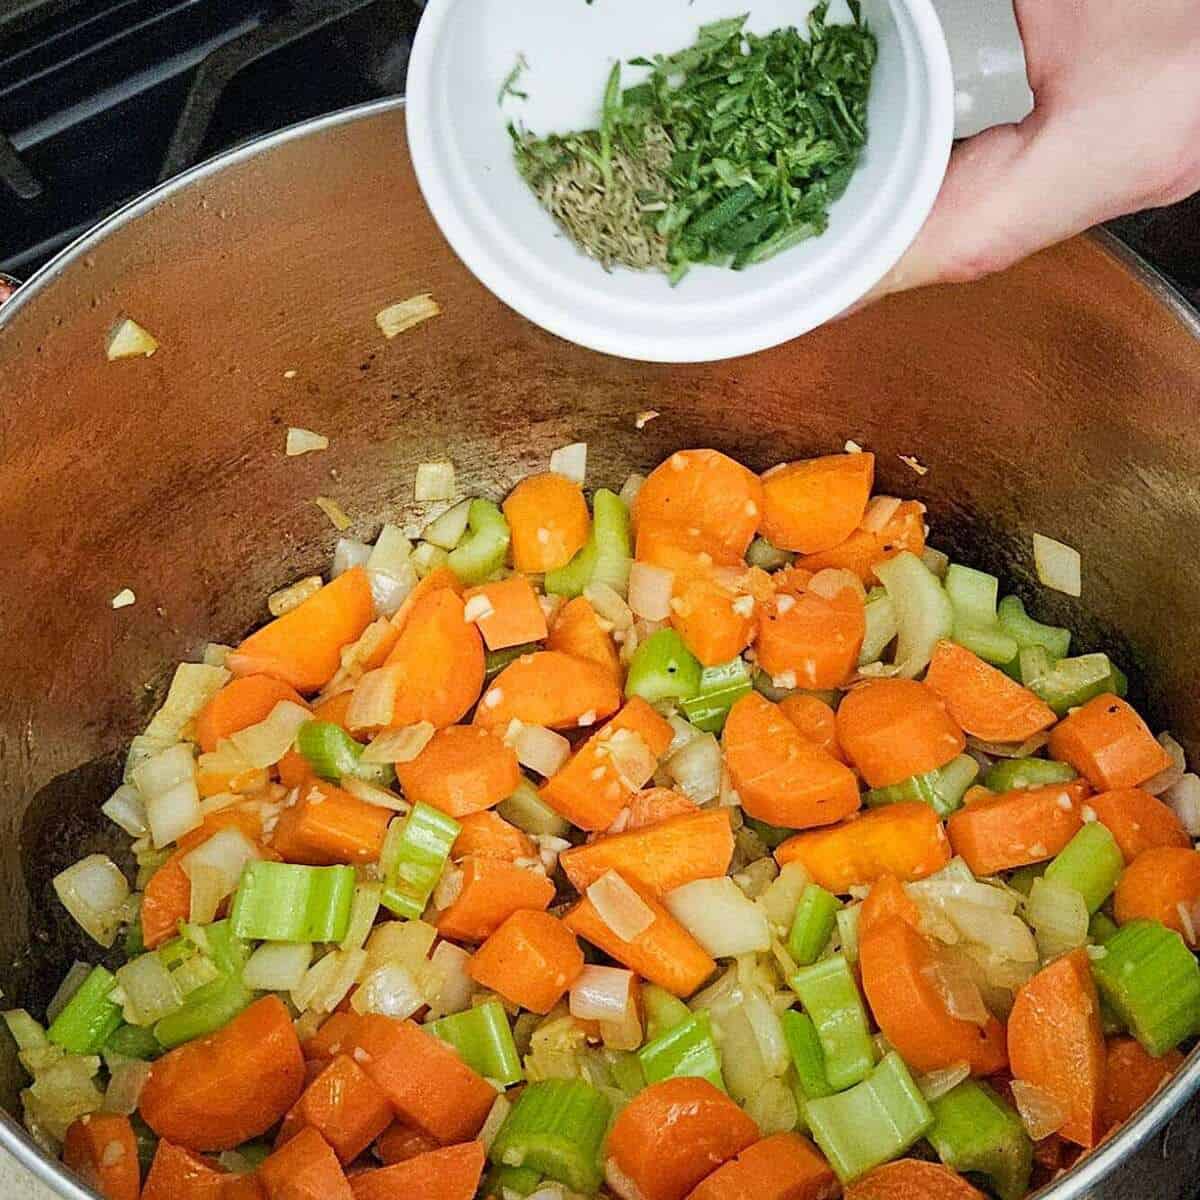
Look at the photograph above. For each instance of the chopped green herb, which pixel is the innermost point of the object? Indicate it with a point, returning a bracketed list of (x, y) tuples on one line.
[(509, 86)]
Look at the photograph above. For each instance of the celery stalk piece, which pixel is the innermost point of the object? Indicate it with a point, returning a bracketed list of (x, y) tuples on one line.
[(1091, 863), (975, 1132), (1101, 929), (880, 616), (830, 996), (557, 1128), (1027, 632), (761, 553), (333, 753), (808, 1058), (627, 1072), (1152, 982), (1069, 682), (686, 1050), (131, 1041), (1022, 879), (496, 660), (976, 626), (529, 812), (515, 1181), (924, 614), (90, 1018), (663, 1011), (483, 549), (484, 1041), (214, 1005), (872, 1123), (942, 789), (607, 555), (285, 902), (812, 926), (414, 857), (663, 668), (720, 689), (1012, 774), (771, 836)]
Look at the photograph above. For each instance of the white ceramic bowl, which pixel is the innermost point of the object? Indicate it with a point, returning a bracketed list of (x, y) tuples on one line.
[(463, 156)]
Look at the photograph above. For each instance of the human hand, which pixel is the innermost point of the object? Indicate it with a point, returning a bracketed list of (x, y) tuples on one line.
[(1115, 129)]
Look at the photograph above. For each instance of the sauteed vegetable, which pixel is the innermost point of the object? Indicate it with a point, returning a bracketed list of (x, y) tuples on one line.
[(714, 839)]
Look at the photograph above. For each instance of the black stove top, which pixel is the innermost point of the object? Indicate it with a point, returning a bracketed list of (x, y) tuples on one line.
[(101, 99)]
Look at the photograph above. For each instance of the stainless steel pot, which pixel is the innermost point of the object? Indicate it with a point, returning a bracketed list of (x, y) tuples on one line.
[(1059, 398)]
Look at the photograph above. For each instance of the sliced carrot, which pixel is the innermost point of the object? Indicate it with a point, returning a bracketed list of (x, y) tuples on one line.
[(1138, 821), (673, 1135), (589, 790), (577, 631), (240, 703), (863, 550), (229, 1087), (785, 1166), (1131, 1077), (178, 1174), (489, 835), (464, 769), (327, 826), (892, 729), (683, 550), (241, 783), (912, 1179), (344, 1105), (451, 1173), (814, 639), (1029, 825), (515, 618), (817, 503), (709, 616), (1108, 744), (781, 776), (492, 890), (304, 1168), (531, 960), (704, 490), (899, 976), (438, 662), (549, 520), (657, 804), (661, 857), (303, 647), (441, 578), (1156, 884), (665, 953), (549, 688), (1055, 1043), (816, 721), (102, 1150), (987, 703), (400, 1142), (887, 899)]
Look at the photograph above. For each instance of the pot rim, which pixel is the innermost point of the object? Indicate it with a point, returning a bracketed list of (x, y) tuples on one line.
[(1077, 1183)]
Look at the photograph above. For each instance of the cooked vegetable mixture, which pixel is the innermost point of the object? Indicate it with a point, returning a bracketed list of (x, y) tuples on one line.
[(714, 840)]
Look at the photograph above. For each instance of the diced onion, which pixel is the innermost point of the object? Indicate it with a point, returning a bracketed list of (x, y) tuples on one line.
[(264, 744), (71, 983), (407, 314), (879, 512), (1058, 916), (435, 481), (936, 561), (540, 749), (449, 887), (283, 601), (303, 441), (958, 989), (390, 591), (650, 591), (1041, 1114), (348, 554), (390, 991), (609, 604), (215, 655), (126, 808), (1184, 798), (277, 966), (326, 984), (94, 892), (371, 793), (630, 489), (924, 614), (570, 462), (149, 989), (335, 512), (1007, 935), (632, 759), (373, 701), (391, 552), (454, 983), (1058, 566), (720, 917), (1024, 749), (405, 942), (192, 686), (696, 768), (773, 1108), (780, 899), (215, 868), (447, 530), (937, 1083), (123, 599), (620, 907), (399, 745), (1171, 775), (682, 733), (124, 1089), (600, 994), (128, 339), (768, 1031), (496, 1117)]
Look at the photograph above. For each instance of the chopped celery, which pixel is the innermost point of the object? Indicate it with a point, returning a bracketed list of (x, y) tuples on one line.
[(975, 1132), (808, 1059), (556, 1128), (768, 557), (924, 614), (496, 660), (607, 556), (880, 615), (529, 812), (663, 668), (1101, 929), (812, 926), (1022, 879), (90, 1018), (847, 923), (627, 1072), (872, 1123), (663, 1011), (285, 902), (771, 836), (1027, 632), (427, 558), (215, 1004), (830, 996), (1069, 682), (687, 1049), (332, 753), (131, 1041), (484, 1041), (976, 626), (413, 860), (503, 1182), (1152, 981), (484, 547), (134, 942), (720, 688), (1012, 774), (942, 789), (26, 1032), (1091, 863)]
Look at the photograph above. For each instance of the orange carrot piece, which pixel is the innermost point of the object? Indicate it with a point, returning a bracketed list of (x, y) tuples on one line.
[(531, 960), (1108, 744), (704, 613), (577, 631), (492, 890), (657, 804), (589, 790), (785, 1166), (899, 967), (240, 703), (817, 503), (816, 721), (303, 647), (813, 638), (489, 835), (892, 729), (327, 826), (661, 857), (983, 700), (102, 1150), (304, 1168), (673, 1135), (241, 783), (344, 1105), (178, 1174), (549, 521), (1014, 829), (704, 490), (1138, 821), (1055, 1043), (451, 1173), (400, 1142), (229, 1087), (665, 953), (1131, 1077), (905, 840), (441, 578), (912, 1179), (1154, 886), (781, 776), (887, 899), (438, 662), (862, 550), (516, 616), (548, 688), (682, 550), (464, 769)]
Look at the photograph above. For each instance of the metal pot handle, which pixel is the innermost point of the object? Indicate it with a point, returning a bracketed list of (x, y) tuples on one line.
[(8, 287)]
